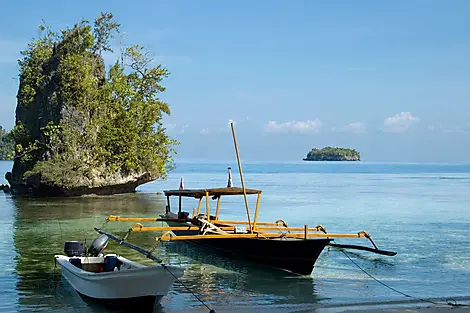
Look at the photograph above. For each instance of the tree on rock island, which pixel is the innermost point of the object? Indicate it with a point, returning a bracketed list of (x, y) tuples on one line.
[(80, 129)]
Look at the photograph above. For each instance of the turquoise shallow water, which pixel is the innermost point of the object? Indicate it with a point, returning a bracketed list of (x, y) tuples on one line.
[(420, 210)]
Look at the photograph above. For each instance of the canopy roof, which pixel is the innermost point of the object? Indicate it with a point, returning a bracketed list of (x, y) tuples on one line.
[(214, 192)]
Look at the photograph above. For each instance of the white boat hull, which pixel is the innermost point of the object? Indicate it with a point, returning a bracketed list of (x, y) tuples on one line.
[(131, 281)]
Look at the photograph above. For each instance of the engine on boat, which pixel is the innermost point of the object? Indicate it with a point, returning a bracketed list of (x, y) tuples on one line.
[(98, 245), (74, 248), (77, 249)]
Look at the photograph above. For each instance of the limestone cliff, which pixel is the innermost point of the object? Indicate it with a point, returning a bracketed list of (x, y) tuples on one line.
[(80, 129)]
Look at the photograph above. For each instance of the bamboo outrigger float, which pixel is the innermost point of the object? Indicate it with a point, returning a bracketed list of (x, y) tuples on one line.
[(275, 244)]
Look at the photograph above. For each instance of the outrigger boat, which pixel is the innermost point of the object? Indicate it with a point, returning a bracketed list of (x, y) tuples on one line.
[(275, 244)]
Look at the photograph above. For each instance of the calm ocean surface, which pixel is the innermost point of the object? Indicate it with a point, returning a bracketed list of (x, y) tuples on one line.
[(422, 211)]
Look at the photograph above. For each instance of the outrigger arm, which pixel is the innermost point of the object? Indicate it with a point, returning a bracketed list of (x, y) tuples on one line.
[(207, 230), (148, 254), (355, 247)]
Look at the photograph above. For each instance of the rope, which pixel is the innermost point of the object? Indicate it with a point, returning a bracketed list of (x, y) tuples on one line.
[(187, 288), (52, 283), (450, 301)]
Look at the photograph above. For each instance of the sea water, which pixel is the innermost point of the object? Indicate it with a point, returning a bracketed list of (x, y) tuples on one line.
[(419, 210)]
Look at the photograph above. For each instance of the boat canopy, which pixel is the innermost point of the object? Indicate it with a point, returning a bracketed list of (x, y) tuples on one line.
[(214, 192)]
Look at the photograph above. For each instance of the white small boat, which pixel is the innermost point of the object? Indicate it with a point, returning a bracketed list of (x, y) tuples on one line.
[(114, 280)]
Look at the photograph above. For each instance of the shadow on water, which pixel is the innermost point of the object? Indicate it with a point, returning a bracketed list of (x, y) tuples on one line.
[(217, 273)]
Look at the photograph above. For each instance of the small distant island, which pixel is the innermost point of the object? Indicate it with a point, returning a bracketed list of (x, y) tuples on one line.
[(333, 154)]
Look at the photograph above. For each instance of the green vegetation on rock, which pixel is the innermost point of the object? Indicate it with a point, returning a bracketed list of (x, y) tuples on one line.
[(81, 127), (333, 154)]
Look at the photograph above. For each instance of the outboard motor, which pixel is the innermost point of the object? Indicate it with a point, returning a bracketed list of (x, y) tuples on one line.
[(74, 248), (98, 245)]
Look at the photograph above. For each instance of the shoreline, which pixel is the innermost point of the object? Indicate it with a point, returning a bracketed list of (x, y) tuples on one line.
[(415, 305), (394, 306)]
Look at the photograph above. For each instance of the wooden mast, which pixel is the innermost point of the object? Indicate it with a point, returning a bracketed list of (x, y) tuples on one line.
[(241, 177)]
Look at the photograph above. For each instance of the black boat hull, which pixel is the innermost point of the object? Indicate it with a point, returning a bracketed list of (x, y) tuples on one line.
[(290, 254), (141, 304), (294, 255)]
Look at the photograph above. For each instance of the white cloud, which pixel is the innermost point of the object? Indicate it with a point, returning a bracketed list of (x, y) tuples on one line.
[(175, 128), (183, 128), (463, 128), (435, 127), (400, 122), (308, 126), (355, 128), (204, 131), (169, 126)]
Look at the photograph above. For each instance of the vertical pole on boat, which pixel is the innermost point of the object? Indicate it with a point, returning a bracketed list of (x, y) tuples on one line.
[(208, 215), (217, 209), (241, 176), (256, 211), (168, 207), (305, 232), (179, 206), (179, 198), (199, 206)]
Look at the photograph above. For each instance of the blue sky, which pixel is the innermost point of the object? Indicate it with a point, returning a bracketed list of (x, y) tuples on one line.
[(389, 78)]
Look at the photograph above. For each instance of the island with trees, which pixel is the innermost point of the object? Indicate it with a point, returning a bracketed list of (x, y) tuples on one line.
[(83, 126), (333, 154)]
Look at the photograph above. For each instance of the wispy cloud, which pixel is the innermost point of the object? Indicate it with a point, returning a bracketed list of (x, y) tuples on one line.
[(309, 126), (183, 128), (400, 122), (204, 131), (462, 128), (169, 126), (174, 128), (357, 128)]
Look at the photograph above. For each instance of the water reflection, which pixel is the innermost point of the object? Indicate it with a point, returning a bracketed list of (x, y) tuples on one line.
[(42, 226), (242, 281)]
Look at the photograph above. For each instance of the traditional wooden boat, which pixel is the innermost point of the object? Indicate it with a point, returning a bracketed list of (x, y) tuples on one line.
[(113, 280), (275, 244)]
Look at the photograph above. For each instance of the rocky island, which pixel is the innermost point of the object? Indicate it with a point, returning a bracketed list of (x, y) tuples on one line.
[(332, 154), (81, 129)]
